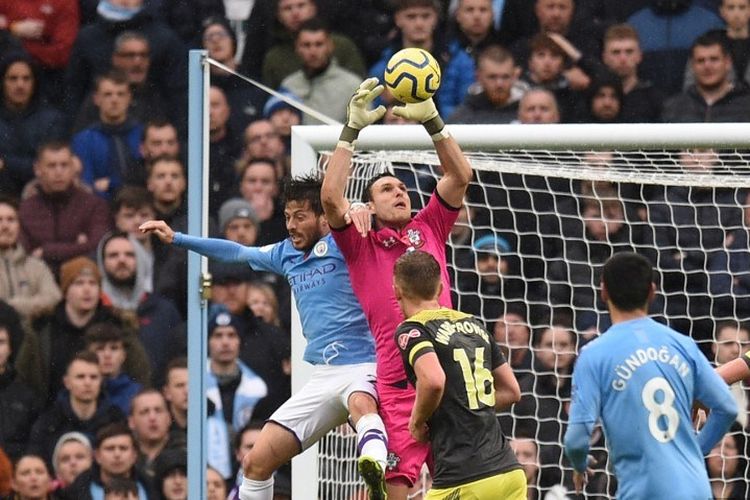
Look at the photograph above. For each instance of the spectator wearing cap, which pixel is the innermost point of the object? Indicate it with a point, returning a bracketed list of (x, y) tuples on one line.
[(245, 101), (72, 455), (283, 116), (170, 475), (238, 221), (265, 348), (29, 285), (496, 277), (19, 405), (80, 407), (320, 81), (232, 387), (155, 317), (61, 334)]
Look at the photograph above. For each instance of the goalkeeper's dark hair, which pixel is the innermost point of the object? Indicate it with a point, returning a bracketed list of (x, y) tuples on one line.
[(367, 193), (628, 278), (304, 188), (418, 275)]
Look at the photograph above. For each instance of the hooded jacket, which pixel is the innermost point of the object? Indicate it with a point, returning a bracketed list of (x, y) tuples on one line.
[(22, 132), (28, 284), (157, 317)]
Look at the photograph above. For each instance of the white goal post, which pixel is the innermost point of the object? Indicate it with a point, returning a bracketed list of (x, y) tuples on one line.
[(487, 145)]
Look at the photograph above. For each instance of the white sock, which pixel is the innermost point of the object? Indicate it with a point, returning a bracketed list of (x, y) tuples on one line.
[(256, 490), (372, 439)]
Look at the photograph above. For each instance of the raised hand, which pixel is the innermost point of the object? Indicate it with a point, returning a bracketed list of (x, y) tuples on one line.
[(359, 214), (160, 228), (426, 113), (417, 111), (358, 112)]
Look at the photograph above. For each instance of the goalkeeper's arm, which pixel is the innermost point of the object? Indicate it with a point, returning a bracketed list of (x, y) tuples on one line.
[(457, 171), (358, 116)]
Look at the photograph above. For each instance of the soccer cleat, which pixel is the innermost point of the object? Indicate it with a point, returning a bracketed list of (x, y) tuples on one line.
[(374, 477)]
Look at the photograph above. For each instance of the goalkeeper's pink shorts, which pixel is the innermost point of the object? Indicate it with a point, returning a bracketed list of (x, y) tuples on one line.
[(405, 455)]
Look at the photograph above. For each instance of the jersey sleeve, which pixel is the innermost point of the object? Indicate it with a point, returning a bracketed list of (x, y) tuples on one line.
[(412, 341), (586, 396), (714, 393), (439, 216), (267, 258), (349, 241), (498, 358)]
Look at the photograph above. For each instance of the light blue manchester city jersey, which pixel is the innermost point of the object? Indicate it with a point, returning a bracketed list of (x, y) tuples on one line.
[(332, 319)]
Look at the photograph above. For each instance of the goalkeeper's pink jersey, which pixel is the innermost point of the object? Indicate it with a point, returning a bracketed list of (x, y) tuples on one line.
[(370, 261)]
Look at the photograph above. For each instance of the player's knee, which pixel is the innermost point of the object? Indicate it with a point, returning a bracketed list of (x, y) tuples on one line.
[(254, 467), (361, 403)]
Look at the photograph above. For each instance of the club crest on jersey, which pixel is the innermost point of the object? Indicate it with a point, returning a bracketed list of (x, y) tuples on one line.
[(403, 339), (415, 237), (392, 461), (320, 249)]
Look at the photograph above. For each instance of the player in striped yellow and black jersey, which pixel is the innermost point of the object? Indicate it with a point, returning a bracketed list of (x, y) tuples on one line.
[(461, 377)]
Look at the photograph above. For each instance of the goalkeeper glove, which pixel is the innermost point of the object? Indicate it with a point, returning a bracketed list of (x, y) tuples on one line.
[(358, 114), (426, 113)]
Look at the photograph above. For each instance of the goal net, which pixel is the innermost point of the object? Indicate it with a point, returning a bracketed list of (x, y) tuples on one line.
[(547, 207)]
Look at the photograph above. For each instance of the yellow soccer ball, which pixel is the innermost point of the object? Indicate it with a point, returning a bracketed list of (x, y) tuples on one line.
[(412, 75)]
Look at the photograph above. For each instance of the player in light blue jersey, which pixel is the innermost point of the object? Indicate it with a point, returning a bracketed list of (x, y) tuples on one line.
[(640, 379), (339, 342)]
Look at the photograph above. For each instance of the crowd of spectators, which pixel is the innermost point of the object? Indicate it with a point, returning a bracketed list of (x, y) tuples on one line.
[(93, 124)]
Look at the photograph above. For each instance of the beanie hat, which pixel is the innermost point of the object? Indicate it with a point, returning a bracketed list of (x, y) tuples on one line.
[(219, 315), (492, 243), (65, 438), (274, 104), (236, 208), (75, 267)]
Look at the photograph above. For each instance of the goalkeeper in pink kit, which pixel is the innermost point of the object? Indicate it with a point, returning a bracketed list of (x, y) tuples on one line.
[(370, 258)]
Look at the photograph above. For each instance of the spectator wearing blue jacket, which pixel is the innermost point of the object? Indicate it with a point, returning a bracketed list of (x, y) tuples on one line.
[(471, 30), (120, 355), (110, 148)]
